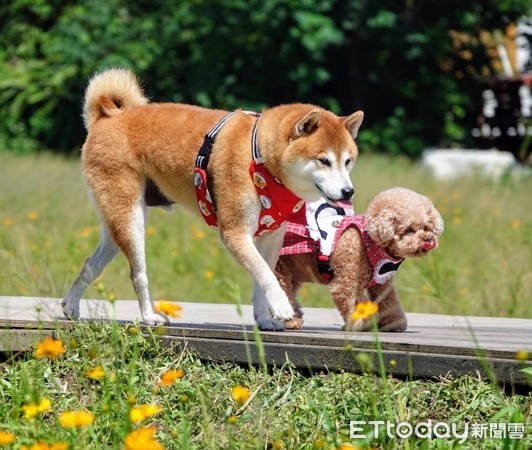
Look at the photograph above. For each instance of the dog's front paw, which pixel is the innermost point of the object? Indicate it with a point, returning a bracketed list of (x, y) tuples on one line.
[(269, 324), (281, 309), (69, 310), (155, 320)]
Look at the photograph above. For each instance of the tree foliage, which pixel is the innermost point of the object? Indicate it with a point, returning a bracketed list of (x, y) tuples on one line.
[(396, 60)]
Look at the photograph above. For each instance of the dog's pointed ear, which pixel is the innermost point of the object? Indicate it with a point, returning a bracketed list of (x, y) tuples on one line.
[(353, 122), (309, 123), (380, 226)]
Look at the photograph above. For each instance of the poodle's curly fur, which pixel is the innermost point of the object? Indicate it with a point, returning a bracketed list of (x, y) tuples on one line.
[(401, 222)]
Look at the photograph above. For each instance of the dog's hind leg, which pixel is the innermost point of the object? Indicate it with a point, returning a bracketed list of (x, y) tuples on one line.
[(93, 267), (131, 239)]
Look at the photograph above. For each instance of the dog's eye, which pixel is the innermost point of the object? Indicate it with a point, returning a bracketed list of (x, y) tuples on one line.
[(410, 230), (347, 162), (325, 161)]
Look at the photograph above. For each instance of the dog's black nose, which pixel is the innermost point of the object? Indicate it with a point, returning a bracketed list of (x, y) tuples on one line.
[(347, 193), (427, 239)]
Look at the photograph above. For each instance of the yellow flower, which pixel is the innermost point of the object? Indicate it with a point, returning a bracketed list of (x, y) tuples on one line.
[(142, 439), (6, 437), (364, 310), (240, 394), (8, 222), (209, 274), (199, 234), (143, 412), (49, 348), (457, 220), (348, 446), (521, 355), (150, 230), (96, 373), (168, 308), (515, 225), (34, 215), (80, 418), (32, 410), (44, 446), (463, 292), (232, 419), (170, 376)]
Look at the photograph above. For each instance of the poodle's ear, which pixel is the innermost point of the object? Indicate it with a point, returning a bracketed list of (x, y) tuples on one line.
[(380, 226)]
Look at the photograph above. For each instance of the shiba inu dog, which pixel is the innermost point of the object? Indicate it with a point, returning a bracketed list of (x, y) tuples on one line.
[(134, 147)]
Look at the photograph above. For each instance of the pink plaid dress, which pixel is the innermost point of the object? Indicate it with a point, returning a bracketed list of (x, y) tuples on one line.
[(298, 240)]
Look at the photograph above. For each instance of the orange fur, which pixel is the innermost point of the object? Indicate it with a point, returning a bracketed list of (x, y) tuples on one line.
[(130, 141)]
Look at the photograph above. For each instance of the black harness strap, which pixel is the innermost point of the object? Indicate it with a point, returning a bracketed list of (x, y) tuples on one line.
[(204, 153)]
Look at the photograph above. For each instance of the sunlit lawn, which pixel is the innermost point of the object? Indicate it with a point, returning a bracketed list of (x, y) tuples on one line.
[(482, 267)]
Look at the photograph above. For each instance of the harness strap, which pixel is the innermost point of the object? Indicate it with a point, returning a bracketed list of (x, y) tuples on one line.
[(255, 151), (204, 153), (324, 268)]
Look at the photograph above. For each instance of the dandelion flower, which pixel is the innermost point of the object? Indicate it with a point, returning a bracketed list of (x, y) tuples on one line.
[(143, 412), (96, 373), (32, 410), (364, 310), (44, 446), (240, 394), (209, 274), (515, 225), (34, 215), (8, 222), (232, 419), (76, 419), (348, 446), (142, 439), (6, 437), (50, 348), (170, 376), (521, 355), (168, 308)]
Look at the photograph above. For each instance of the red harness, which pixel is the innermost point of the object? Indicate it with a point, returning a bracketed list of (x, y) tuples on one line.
[(278, 204)]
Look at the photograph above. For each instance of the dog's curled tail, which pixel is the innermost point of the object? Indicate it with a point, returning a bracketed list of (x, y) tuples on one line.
[(109, 93)]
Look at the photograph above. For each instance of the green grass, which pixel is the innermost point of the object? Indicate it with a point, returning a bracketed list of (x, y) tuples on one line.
[(286, 409), (482, 267), (47, 229)]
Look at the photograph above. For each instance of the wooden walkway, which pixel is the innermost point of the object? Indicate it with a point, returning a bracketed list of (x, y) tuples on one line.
[(433, 345)]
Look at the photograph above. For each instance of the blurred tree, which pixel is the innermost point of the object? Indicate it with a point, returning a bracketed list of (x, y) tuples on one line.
[(393, 59)]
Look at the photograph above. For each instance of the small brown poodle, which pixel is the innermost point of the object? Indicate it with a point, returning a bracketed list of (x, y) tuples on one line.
[(366, 252)]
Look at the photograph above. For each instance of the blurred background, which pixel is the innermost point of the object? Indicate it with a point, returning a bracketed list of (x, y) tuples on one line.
[(427, 73), (418, 68)]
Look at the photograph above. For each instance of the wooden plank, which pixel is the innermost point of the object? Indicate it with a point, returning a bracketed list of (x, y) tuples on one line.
[(433, 345)]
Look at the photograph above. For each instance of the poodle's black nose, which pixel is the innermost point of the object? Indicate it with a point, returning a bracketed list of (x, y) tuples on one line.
[(347, 193), (427, 239)]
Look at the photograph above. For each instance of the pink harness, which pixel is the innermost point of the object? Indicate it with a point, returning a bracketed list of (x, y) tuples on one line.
[(278, 204), (297, 240)]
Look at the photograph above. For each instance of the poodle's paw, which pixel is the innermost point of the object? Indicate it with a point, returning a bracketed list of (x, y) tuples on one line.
[(358, 325), (296, 323), (394, 326)]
